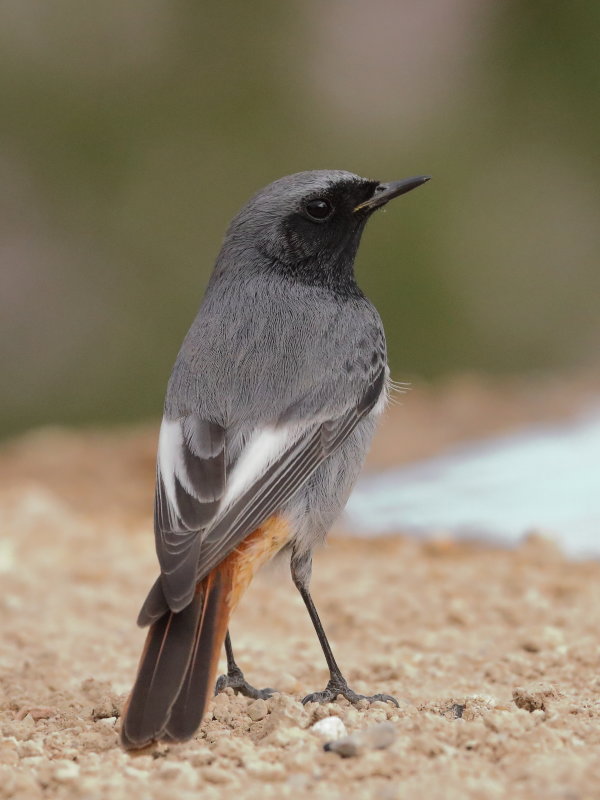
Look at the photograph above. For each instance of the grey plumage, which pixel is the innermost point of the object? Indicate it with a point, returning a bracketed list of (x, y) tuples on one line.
[(267, 350), (272, 401)]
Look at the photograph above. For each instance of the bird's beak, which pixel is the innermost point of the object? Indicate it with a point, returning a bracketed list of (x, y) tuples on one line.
[(387, 191)]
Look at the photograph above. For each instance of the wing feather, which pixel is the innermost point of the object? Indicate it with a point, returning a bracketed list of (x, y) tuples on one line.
[(190, 482)]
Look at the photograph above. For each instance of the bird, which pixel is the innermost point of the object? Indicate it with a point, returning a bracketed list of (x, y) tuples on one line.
[(268, 416)]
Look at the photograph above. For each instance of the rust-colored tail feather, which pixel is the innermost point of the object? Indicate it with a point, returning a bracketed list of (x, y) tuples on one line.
[(178, 667)]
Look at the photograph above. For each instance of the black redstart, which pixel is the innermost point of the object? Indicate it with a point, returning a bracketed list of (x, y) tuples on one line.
[(269, 412)]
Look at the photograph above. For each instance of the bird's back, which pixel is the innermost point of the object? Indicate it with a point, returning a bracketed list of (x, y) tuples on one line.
[(262, 352)]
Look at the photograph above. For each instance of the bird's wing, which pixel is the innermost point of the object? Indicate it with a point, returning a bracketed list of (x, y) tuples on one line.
[(282, 479), (200, 516)]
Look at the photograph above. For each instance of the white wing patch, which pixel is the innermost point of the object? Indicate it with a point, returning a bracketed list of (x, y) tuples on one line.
[(261, 450), (170, 461)]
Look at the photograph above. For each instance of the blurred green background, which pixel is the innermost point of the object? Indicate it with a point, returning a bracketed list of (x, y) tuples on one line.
[(132, 131)]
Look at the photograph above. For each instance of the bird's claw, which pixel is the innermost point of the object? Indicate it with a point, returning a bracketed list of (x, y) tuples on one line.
[(333, 689), (236, 681)]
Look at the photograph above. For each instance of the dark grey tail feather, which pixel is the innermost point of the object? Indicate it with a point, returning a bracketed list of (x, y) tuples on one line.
[(163, 667), (198, 685)]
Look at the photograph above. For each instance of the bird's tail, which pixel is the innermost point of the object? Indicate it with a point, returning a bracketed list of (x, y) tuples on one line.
[(177, 670)]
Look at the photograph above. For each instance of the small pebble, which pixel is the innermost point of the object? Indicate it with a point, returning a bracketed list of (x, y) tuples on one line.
[(535, 696), (376, 737), (107, 721), (330, 728), (257, 710)]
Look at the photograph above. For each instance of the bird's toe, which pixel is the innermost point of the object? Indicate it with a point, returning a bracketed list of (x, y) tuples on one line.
[(237, 682)]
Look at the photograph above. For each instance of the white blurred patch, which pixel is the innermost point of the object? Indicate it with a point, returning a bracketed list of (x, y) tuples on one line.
[(546, 479)]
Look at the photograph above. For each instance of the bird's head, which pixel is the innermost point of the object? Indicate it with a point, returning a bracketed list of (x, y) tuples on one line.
[(308, 225)]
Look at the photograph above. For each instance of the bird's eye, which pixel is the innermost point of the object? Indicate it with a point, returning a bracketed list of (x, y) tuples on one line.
[(318, 209)]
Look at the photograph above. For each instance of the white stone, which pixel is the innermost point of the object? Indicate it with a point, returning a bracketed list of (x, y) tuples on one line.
[(330, 728)]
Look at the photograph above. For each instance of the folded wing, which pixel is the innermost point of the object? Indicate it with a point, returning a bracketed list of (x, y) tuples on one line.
[(201, 514)]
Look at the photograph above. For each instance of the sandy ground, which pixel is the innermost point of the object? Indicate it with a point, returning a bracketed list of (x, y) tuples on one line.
[(494, 656)]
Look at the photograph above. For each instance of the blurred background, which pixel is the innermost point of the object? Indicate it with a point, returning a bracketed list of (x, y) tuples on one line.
[(132, 132)]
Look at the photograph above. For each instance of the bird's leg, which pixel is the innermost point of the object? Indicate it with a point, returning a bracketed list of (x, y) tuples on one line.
[(235, 678), (301, 571)]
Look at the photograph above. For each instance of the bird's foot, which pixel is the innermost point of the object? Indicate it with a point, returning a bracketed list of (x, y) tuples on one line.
[(235, 679), (336, 687)]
